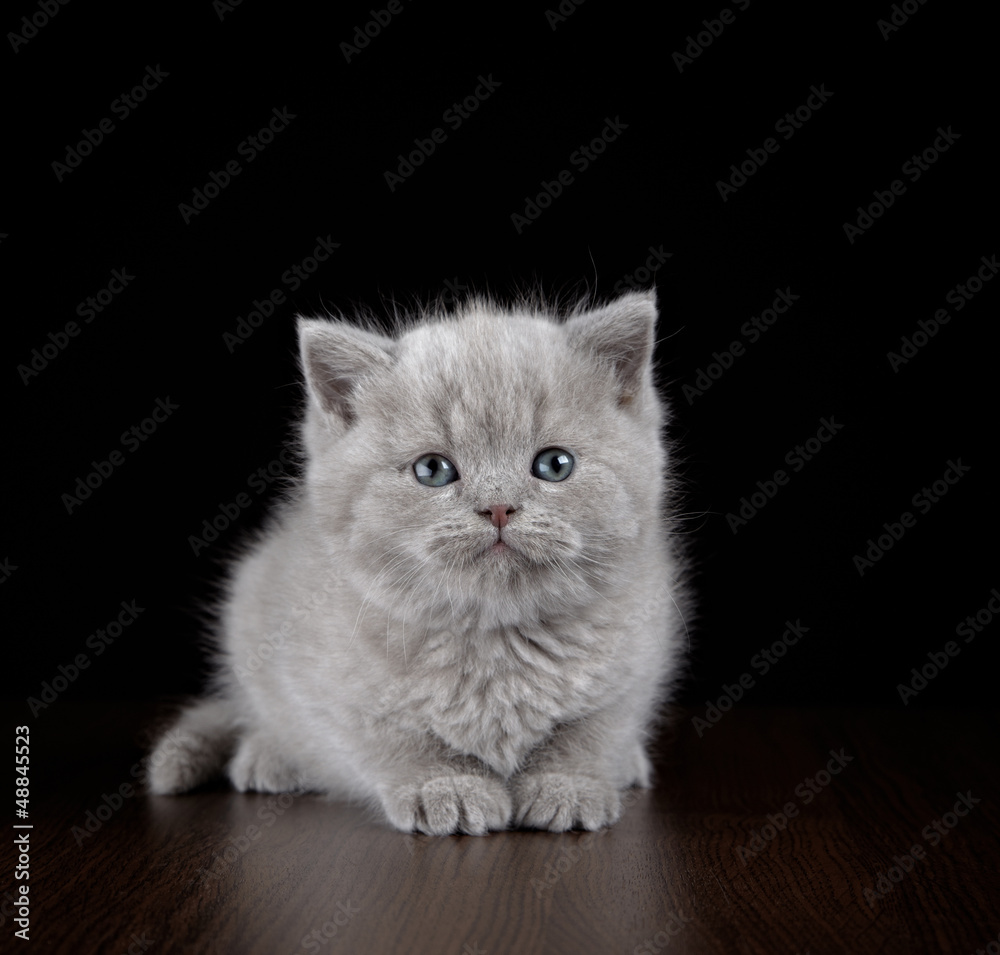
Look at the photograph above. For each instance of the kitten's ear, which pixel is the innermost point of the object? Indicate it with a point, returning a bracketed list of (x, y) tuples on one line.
[(335, 356), (620, 333)]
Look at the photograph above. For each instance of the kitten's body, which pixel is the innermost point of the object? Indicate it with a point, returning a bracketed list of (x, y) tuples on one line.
[(379, 641)]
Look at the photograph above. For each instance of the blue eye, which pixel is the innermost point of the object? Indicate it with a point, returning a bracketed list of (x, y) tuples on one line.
[(552, 464), (434, 470)]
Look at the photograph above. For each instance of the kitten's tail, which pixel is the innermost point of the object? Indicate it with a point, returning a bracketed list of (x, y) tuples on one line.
[(195, 749)]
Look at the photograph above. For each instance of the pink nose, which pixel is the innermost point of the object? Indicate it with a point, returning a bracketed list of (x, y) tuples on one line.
[(498, 514)]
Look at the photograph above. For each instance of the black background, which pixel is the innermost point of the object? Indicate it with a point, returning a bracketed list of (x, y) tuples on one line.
[(450, 221)]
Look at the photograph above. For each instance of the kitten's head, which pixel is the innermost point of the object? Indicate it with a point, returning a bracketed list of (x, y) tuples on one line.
[(491, 464)]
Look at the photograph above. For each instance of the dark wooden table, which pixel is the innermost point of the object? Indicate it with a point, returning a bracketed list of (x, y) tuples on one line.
[(774, 831)]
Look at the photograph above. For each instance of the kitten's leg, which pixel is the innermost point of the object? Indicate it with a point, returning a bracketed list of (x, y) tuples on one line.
[(260, 765), (194, 749), (432, 793), (576, 779)]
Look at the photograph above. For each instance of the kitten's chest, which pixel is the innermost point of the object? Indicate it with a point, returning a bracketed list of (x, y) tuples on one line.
[(500, 698)]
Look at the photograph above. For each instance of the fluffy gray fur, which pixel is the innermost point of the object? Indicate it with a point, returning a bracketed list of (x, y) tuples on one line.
[(374, 643)]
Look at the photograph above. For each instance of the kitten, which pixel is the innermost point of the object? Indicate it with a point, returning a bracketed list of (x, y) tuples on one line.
[(469, 611)]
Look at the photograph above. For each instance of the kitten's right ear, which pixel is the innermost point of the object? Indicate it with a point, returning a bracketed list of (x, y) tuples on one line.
[(335, 356), (620, 333)]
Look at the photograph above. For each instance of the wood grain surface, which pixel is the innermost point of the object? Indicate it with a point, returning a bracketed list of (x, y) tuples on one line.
[(837, 798)]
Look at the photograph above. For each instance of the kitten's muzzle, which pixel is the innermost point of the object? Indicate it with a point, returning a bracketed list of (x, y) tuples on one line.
[(499, 514)]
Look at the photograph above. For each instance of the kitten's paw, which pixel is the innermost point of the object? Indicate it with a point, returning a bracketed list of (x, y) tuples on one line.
[(178, 767), (259, 766), (447, 804), (562, 801), (194, 749)]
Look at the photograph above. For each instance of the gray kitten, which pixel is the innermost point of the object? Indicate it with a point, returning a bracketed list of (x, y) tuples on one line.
[(469, 611)]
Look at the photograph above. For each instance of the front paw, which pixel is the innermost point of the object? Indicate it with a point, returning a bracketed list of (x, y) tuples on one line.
[(446, 804), (259, 766), (562, 801)]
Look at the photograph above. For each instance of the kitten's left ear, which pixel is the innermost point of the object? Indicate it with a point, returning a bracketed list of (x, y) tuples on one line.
[(620, 333)]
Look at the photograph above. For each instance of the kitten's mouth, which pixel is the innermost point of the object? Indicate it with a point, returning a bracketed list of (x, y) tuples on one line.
[(499, 548)]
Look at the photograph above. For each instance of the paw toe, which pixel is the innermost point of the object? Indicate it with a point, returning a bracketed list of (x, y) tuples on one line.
[(559, 802), (448, 804)]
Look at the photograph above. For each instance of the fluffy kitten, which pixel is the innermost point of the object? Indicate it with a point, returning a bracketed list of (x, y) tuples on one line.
[(468, 611)]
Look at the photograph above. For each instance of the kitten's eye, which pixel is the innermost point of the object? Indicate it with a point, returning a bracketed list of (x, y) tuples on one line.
[(552, 464), (434, 470)]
